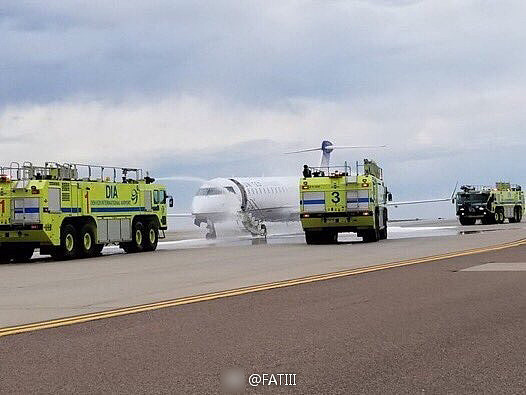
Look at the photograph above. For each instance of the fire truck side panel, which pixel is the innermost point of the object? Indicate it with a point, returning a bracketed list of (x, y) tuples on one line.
[(34, 214)]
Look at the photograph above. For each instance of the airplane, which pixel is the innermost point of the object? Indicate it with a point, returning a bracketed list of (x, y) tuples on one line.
[(252, 201)]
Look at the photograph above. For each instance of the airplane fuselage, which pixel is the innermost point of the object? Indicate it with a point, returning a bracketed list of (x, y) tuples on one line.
[(266, 198)]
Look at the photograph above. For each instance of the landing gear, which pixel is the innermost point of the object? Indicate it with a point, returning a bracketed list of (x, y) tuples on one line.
[(211, 234), (262, 231)]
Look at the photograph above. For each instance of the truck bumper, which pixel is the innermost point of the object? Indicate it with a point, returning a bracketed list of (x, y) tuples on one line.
[(38, 237), (340, 223)]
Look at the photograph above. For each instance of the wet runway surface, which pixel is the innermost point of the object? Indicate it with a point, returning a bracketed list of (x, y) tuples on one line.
[(44, 289), (429, 328), (293, 234)]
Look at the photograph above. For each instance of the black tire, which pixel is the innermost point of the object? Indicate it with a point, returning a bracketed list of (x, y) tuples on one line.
[(383, 232), (499, 216), (69, 244), (467, 221), (371, 236), (138, 236), (517, 216), (312, 237), (22, 255), (88, 241), (152, 236), (6, 254), (98, 249), (330, 238), (489, 219)]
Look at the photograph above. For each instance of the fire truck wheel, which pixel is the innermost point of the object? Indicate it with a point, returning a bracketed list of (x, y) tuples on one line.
[(138, 236), (88, 241), (152, 236), (98, 249), (383, 232), (499, 216), (371, 236), (313, 237), (517, 215), (6, 255), (68, 248), (21, 255)]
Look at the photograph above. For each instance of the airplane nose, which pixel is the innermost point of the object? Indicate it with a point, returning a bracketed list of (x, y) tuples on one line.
[(207, 204)]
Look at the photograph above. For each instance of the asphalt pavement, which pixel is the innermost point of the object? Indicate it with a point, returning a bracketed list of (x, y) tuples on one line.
[(44, 289), (426, 328)]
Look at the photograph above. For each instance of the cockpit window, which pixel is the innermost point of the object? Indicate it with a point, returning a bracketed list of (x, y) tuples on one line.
[(209, 191), (230, 189)]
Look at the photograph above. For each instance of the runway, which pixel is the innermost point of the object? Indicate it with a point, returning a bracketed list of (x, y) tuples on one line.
[(45, 290), (429, 328)]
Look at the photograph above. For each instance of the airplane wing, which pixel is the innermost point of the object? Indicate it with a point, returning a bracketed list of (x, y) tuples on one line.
[(396, 204), (449, 199)]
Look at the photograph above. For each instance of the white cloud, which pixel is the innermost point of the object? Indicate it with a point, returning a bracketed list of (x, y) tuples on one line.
[(138, 83), (142, 131)]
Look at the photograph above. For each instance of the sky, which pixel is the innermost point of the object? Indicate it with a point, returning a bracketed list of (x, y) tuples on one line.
[(224, 88)]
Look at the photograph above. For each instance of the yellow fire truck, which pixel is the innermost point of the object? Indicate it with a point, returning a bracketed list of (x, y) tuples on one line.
[(72, 210), (492, 205), (334, 200)]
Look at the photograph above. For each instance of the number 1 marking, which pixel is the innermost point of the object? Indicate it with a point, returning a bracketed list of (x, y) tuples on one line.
[(87, 201), (2, 204)]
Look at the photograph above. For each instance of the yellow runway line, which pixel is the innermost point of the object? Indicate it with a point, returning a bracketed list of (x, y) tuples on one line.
[(244, 290)]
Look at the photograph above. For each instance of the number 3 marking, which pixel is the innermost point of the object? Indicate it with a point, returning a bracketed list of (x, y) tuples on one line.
[(336, 197)]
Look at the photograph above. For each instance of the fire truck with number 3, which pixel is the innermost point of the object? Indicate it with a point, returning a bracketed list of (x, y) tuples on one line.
[(69, 216), (334, 200)]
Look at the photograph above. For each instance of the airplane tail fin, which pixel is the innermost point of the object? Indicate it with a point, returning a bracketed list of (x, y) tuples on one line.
[(327, 147)]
